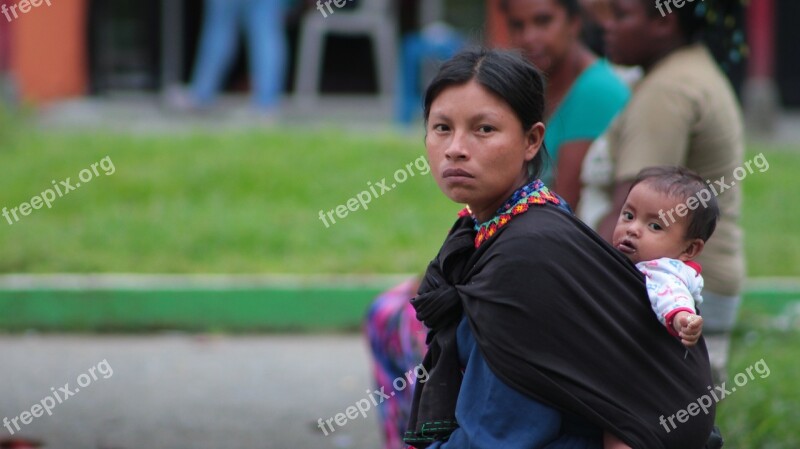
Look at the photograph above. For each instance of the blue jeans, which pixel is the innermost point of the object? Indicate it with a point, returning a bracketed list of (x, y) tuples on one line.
[(263, 23)]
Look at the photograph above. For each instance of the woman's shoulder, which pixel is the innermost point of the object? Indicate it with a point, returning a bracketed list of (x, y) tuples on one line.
[(600, 73), (599, 82), (688, 71), (549, 229), (548, 223), (550, 239), (595, 98)]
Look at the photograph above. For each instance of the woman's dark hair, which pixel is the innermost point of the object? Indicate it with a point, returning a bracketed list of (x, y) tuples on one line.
[(572, 6), (681, 183), (505, 73), (717, 23)]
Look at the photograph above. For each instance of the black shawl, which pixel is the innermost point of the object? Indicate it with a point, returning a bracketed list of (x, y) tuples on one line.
[(564, 318)]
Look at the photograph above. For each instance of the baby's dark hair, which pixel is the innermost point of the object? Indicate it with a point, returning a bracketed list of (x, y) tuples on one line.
[(681, 183)]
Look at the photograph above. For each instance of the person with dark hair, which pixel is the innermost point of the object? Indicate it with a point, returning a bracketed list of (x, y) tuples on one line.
[(684, 113), (665, 251), (583, 93), (540, 333)]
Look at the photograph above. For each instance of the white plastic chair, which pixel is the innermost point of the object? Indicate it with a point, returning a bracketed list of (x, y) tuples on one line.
[(372, 18)]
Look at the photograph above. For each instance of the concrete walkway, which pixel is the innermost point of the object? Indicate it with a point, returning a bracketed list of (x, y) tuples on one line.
[(183, 391), (146, 114)]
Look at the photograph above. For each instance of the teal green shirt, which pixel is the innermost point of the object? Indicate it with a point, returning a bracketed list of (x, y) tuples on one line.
[(592, 102)]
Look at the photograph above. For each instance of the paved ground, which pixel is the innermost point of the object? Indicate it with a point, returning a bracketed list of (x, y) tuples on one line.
[(182, 391), (147, 113)]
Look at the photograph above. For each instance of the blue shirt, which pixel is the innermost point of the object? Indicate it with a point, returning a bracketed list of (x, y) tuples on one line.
[(493, 415)]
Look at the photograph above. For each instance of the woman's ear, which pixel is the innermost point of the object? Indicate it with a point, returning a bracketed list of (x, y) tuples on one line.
[(693, 250), (535, 139)]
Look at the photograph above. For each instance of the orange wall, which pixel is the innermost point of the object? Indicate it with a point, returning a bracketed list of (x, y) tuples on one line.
[(48, 50)]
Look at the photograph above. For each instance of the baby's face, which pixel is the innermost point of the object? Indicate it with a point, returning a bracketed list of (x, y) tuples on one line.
[(643, 230)]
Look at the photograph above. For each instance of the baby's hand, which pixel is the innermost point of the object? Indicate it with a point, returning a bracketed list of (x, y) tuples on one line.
[(689, 327)]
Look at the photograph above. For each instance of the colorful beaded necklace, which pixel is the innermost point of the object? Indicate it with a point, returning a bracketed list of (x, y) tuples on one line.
[(534, 192)]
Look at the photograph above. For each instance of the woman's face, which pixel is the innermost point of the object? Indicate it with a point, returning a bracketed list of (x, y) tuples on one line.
[(477, 148), (599, 10), (628, 36), (543, 30)]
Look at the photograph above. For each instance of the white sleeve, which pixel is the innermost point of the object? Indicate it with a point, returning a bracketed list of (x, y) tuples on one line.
[(671, 285)]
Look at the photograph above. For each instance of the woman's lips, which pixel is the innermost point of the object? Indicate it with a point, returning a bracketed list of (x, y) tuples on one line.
[(456, 173)]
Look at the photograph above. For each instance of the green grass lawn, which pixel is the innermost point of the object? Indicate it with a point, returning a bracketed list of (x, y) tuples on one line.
[(223, 203), (765, 412), (249, 202)]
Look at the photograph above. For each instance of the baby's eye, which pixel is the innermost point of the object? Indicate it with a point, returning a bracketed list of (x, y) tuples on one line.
[(656, 227), (627, 215)]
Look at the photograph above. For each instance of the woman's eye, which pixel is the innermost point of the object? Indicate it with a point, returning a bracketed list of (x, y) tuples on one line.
[(440, 127), (486, 129), (656, 227)]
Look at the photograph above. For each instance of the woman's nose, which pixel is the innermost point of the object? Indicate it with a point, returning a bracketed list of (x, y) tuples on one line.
[(531, 36), (457, 148)]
